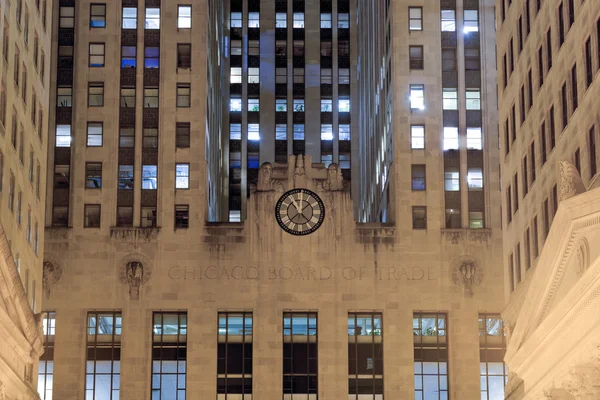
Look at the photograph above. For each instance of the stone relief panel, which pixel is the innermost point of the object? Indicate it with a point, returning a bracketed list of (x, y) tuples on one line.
[(466, 272), (51, 275), (135, 270)]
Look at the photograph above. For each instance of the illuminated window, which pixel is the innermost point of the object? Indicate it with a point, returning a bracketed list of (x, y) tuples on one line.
[(326, 105), (235, 131), (182, 176), (325, 20), (474, 139), (492, 347), (298, 131), (236, 20), (281, 105), (253, 105), (344, 105), (326, 132), (448, 21), (94, 134), (344, 132), (151, 57), (417, 97), (98, 16), (149, 177), (234, 356), (471, 23), (253, 20), (253, 132), (450, 138), (451, 180), (129, 18), (449, 99), (236, 75), (253, 75), (152, 18), (417, 136), (281, 132), (103, 363), (235, 104), (431, 356), (96, 54), (280, 20), (473, 99), (125, 177), (298, 20), (365, 356), (475, 179), (63, 135), (46, 365), (169, 356), (343, 20), (415, 18), (184, 17), (298, 105)]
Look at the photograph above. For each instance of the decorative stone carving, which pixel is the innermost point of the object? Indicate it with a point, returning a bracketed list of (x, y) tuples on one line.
[(582, 256), (583, 382), (556, 394), (134, 272), (335, 180), (52, 272), (465, 272), (134, 234), (299, 170), (480, 236), (266, 183), (570, 181), (453, 237), (56, 233)]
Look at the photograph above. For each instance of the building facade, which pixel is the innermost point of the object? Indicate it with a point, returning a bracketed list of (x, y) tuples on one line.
[(24, 93), (548, 63), (397, 294)]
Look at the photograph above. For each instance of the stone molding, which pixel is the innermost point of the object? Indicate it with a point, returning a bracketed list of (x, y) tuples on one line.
[(471, 236), (56, 233), (134, 234), (570, 181)]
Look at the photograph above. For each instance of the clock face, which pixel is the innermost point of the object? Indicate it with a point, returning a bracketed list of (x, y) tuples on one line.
[(300, 212)]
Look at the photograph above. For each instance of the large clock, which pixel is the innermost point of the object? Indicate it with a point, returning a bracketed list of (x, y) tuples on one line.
[(300, 212)]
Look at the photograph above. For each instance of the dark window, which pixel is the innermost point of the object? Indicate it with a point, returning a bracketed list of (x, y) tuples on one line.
[(511, 58), (128, 97), (151, 57), (525, 176), (561, 25), (343, 48), (448, 60), (543, 144), (516, 193), (124, 216), (430, 356), (540, 67), (126, 137), (564, 106), (511, 271), (416, 57), (419, 217), (549, 48), (96, 94), (151, 97), (182, 135), (521, 39), (365, 356), (552, 129), (492, 347), (300, 349), (527, 250), (505, 72), (514, 122), (574, 91), (518, 263), (418, 177), (592, 144), (183, 95), (506, 137), (169, 356), (546, 217), (150, 138), (148, 219), (527, 18), (46, 366), (182, 216), (184, 55), (522, 105), (577, 160), (103, 361), (98, 16), (128, 56), (529, 90), (93, 175), (472, 60), (234, 355), (589, 74), (535, 238), (571, 13), (554, 200), (532, 158), (91, 216)]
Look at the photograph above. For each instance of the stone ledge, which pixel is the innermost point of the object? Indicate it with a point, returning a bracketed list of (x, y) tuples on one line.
[(134, 233), (53, 233), (458, 236)]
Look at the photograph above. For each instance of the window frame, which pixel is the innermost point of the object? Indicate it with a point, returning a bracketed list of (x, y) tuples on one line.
[(92, 15)]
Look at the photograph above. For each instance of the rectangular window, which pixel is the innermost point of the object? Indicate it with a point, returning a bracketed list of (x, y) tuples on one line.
[(540, 60), (529, 90), (298, 132), (124, 216), (150, 97), (126, 137), (564, 106), (169, 355), (418, 175), (449, 99), (525, 177), (91, 216), (577, 160), (451, 180), (234, 355), (516, 193), (522, 105), (344, 76), (182, 135), (549, 48), (152, 57), (281, 20), (552, 129), (96, 54), (253, 105), (93, 175), (343, 21), (535, 238), (574, 94), (417, 137), (298, 20), (471, 22), (527, 250), (235, 104), (475, 179), (182, 176), (184, 55), (125, 177), (129, 18), (150, 138), (63, 135), (236, 20), (343, 105), (476, 220), (532, 158), (235, 131), (103, 361), (492, 347), (416, 57), (344, 132), (253, 20), (417, 97), (149, 177), (184, 17), (128, 97), (472, 59), (152, 18), (300, 350), (518, 263), (511, 271), (430, 356), (546, 217), (182, 216), (415, 18), (561, 25), (46, 365), (98, 16), (592, 153), (254, 75), (449, 59), (254, 132), (419, 217), (326, 132), (96, 94), (473, 98), (365, 356), (66, 17), (281, 132), (474, 141), (94, 134), (183, 95), (148, 217), (450, 138), (589, 74), (448, 20)]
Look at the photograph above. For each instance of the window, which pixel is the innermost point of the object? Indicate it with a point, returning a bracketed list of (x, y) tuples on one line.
[(450, 138), (254, 47), (589, 74), (17, 65), (182, 176), (344, 132), (492, 347), (449, 99), (540, 67), (281, 75), (325, 20), (281, 20), (415, 18), (125, 177), (509, 212), (298, 132), (549, 48), (532, 157), (451, 180), (19, 212), (124, 216), (516, 193), (150, 138), (169, 355), (94, 134), (2, 172), (184, 17), (128, 56), (471, 23), (236, 48), (61, 176), (419, 217), (183, 95), (280, 105), (96, 54), (448, 20), (474, 139), (11, 192), (91, 216), (182, 135), (326, 132), (343, 21), (418, 177), (281, 132), (473, 99), (475, 179), (417, 137), (365, 356), (592, 152), (253, 75), (182, 216), (98, 16), (253, 105), (564, 106), (535, 238), (235, 104), (31, 176), (148, 217), (152, 18), (300, 350), (416, 57), (149, 177), (298, 20), (96, 94), (184, 55), (253, 20), (253, 132), (129, 18), (449, 59), (234, 354), (46, 365), (431, 356), (103, 362), (38, 178), (128, 97), (298, 105), (574, 95), (151, 97), (561, 25), (344, 105), (476, 220), (527, 249), (236, 20), (298, 75), (63, 135), (66, 18), (151, 57), (417, 97), (93, 175)]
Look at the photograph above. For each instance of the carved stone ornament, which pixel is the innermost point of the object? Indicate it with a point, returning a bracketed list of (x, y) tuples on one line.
[(480, 236), (466, 273), (556, 394), (335, 180), (583, 382), (55, 233), (266, 183), (570, 181), (582, 256), (453, 237), (134, 234), (52, 272), (135, 271)]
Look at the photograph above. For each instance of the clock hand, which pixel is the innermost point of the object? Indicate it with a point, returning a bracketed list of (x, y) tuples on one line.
[(296, 204)]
